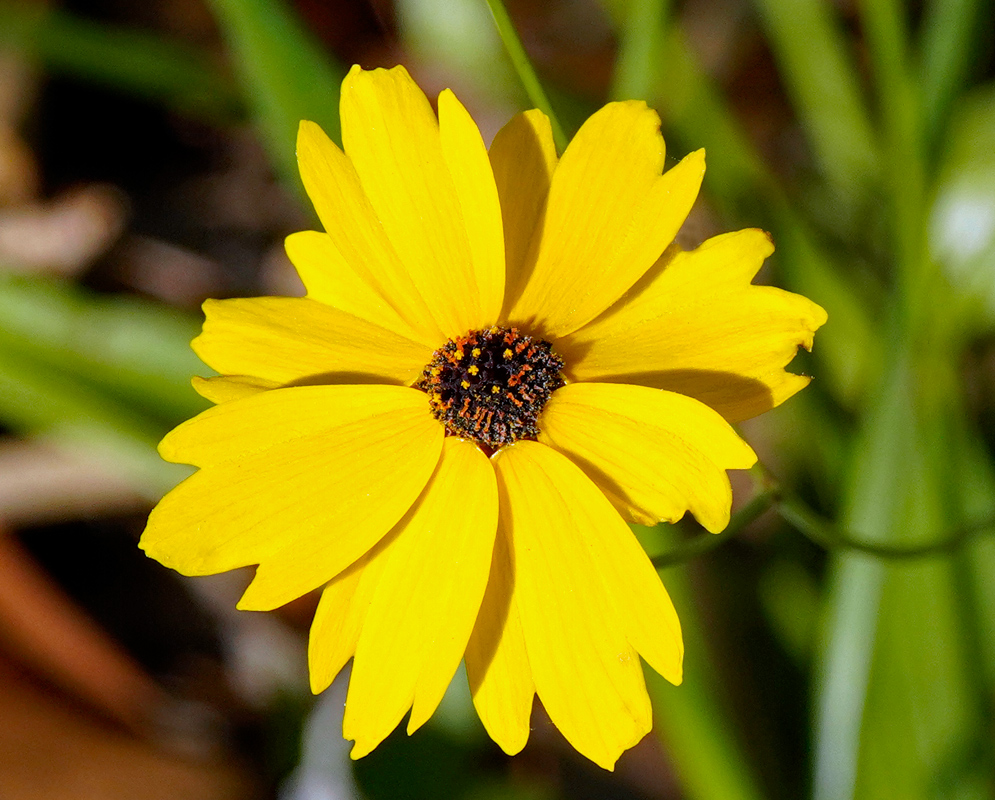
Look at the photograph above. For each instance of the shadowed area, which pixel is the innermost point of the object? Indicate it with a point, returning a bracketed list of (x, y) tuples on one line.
[(736, 398)]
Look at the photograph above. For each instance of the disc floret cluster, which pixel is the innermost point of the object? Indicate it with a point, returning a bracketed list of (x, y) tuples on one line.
[(491, 385)]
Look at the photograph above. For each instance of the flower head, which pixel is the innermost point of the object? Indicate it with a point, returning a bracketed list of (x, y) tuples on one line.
[(502, 358)]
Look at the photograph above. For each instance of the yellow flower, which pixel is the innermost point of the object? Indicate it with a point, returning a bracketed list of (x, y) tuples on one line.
[(494, 368)]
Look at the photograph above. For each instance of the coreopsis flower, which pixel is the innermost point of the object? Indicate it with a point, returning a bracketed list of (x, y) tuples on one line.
[(501, 359)]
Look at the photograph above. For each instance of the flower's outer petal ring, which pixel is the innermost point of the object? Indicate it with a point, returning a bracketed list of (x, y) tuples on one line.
[(470, 170), (424, 607), (586, 672), (284, 470), (289, 340), (391, 135), (354, 230), (523, 158), (332, 280), (655, 454), (497, 665), (609, 216), (695, 325), (224, 388)]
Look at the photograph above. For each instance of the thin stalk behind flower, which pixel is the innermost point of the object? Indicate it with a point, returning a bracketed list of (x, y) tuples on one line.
[(526, 72)]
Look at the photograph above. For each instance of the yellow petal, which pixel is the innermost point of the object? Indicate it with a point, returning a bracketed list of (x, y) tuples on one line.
[(425, 604), (696, 326), (655, 454), (335, 627), (497, 665), (222, 388), (586, 672), (473, 179), (340, 615), (238, 430), (294, 480), (296, 340), (332, 280), (354, 230), (645, 613), (392, 137), (609, 216), (523, 158)]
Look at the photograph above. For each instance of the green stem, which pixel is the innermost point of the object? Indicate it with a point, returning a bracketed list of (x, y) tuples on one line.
[(523, 66), (819, 530), (707, 542), (823, 533)]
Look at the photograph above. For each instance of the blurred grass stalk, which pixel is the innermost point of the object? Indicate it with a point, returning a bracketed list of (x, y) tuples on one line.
[(526, 73), (285, 75)]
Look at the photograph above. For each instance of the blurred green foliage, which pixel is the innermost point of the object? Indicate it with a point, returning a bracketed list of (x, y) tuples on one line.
[(284, 74), (111, 373), (172, 73)]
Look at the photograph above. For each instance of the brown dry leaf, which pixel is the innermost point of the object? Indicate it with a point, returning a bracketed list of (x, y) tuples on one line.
[(50, 635), (64, 236), (41, 482), (51, 749)]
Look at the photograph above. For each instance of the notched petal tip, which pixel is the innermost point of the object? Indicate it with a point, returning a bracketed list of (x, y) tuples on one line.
[(634, 106), (610, 212), (358, 78), (819, 318)]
